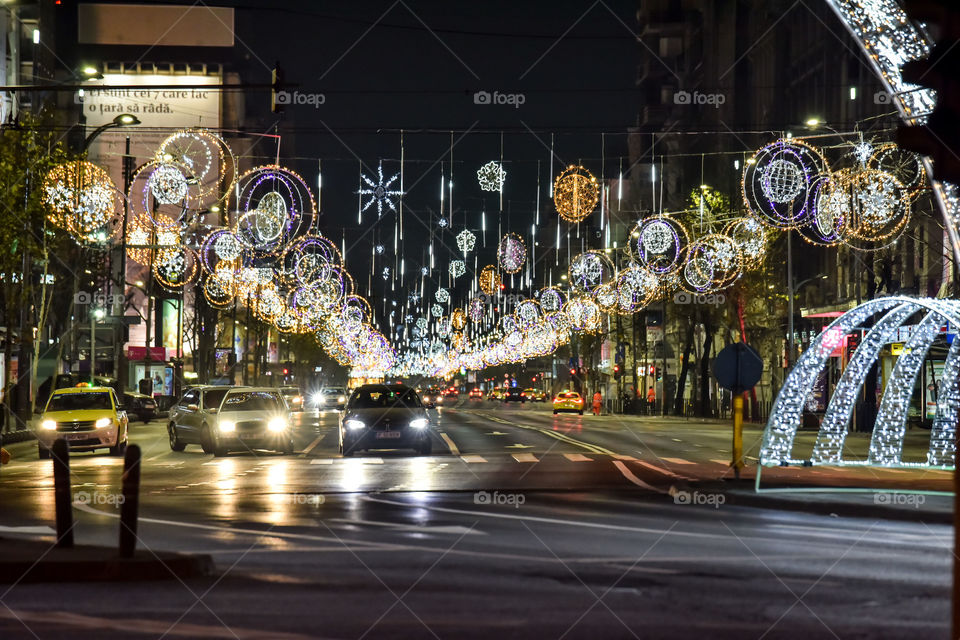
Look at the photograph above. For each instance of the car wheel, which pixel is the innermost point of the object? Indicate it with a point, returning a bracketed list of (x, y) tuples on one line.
[(220, 451), (206, 440), (43, 452), (175, 443), (146, 420), (119, 449), (580, 412), (555, 412), (426, 447)]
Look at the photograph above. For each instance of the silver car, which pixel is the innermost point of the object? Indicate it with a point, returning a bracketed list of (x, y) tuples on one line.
[(331, 398), (252, 418), (194, 418)]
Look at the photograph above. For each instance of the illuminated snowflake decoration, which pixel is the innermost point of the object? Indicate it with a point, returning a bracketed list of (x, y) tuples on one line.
[(862, 151), (782, 181), (380, 191), (442, 295), (379, 249), (168, 184), (436, 311), (443, 223), (657, 237), (227, 247), (422, 324), (424, 271), (457, 268), (466, 241), (386, 273), (491, 176)]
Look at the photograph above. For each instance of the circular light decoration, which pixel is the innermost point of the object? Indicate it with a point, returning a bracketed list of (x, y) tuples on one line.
[(175, 266), (636, 287), (713, 263), (458, 319), (874, 207), (589, 270), (906, 166), (82, 198), (550, 299), (476, 309), (168, 184), (207, 159), (584, 314), (491, 176), (489, 280), (457, 268), (466, 241), (378, 249), (139, 235), (828, 215), (442, 295), (777, 182), (527, 313), (274, 201), (751, 238), (511, 253), (667, 236), (575, 193), (227, 247), (443, 223)]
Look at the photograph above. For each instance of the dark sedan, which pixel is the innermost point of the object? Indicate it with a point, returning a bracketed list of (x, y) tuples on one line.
[(514, 395), (140, 405), (381, 416)]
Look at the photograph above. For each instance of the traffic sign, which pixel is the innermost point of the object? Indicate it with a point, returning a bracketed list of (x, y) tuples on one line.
[(738, 367)]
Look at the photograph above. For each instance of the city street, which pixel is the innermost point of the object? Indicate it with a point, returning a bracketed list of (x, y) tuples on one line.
[(520, 524)]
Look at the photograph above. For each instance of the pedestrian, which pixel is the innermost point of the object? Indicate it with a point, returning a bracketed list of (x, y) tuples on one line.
[(628, 401), (4, 456), (651, 400), (597, 402)]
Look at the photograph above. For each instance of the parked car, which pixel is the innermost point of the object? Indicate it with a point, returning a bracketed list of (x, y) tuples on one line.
[(381, 416), (568, 401), (293, 397), (88, 418), (140, 405), (514, 395)]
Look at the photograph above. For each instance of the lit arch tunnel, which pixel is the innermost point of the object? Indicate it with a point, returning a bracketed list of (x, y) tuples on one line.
[(880, 319)]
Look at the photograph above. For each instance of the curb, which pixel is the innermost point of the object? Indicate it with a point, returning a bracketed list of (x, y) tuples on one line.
[(37, 562), (13, 437)]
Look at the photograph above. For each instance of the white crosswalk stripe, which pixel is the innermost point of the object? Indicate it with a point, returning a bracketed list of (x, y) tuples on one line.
[(473, 459), (525, 457), (677, 461), (577, 457)]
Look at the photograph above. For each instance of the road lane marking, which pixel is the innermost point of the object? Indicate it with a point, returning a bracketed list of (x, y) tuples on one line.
[(665, 472), (577, 457), (473, 459), (524, 457), (617, 456), (400, 526), (370, 460), (726, 463), (519, 446), (453, 448), (634, 479), (41, 530), (495, 433), (311, 446), (322, 461), (677, 461)]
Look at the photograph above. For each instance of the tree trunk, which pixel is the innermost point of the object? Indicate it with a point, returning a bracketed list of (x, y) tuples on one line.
[(682, 380), (705, 409)]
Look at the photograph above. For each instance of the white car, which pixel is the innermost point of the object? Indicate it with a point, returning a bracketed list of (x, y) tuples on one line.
[(331, 398)]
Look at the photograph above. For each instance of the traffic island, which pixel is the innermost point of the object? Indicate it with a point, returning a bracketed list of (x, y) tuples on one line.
[(25, 561)]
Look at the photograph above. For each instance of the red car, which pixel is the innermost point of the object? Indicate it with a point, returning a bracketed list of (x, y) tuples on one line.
[(476, 393)]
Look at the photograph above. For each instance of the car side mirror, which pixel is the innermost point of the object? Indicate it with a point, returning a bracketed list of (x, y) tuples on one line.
[(192, 407), (121, 407), (213, 409)]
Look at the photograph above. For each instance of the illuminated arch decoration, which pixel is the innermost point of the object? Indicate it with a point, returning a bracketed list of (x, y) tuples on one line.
[(889, 39), (886, 444)]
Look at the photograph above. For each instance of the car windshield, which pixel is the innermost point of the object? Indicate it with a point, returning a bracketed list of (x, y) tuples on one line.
[(251, 401), (290, 393), (79, 401), (332, 392), (569, 395), (212, 399), (384, 398)]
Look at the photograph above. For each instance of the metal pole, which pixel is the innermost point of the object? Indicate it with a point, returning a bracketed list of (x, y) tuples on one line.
[(63, 504), (93, 342), (131, 501), (663, 387), (120, 362), (791, 346), (737, 462)]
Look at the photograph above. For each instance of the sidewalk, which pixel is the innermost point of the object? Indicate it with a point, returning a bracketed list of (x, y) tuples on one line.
[(31, 560)]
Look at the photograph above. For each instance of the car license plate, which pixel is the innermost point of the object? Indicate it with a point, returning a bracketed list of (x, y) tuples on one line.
[(388, 434), (77, 436)]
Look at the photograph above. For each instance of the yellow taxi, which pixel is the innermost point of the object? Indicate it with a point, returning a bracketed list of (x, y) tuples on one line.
[(567, 401), (86, 417)]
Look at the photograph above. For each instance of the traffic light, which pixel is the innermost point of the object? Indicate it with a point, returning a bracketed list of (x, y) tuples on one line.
[(939, 137), (573, 372), (616, 371), (276, 87)]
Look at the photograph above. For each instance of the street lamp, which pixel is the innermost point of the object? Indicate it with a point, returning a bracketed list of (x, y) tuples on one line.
[(791, 293), (122, 120)]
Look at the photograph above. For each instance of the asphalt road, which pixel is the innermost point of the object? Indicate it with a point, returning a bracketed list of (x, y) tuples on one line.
[(521, 525)]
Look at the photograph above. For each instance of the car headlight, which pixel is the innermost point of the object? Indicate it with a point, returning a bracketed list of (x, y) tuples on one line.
[(50, 425), (103, 423), (341, 399), (317, 398), (227, 426), (354, 424), (419, 423), (277, 424)]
